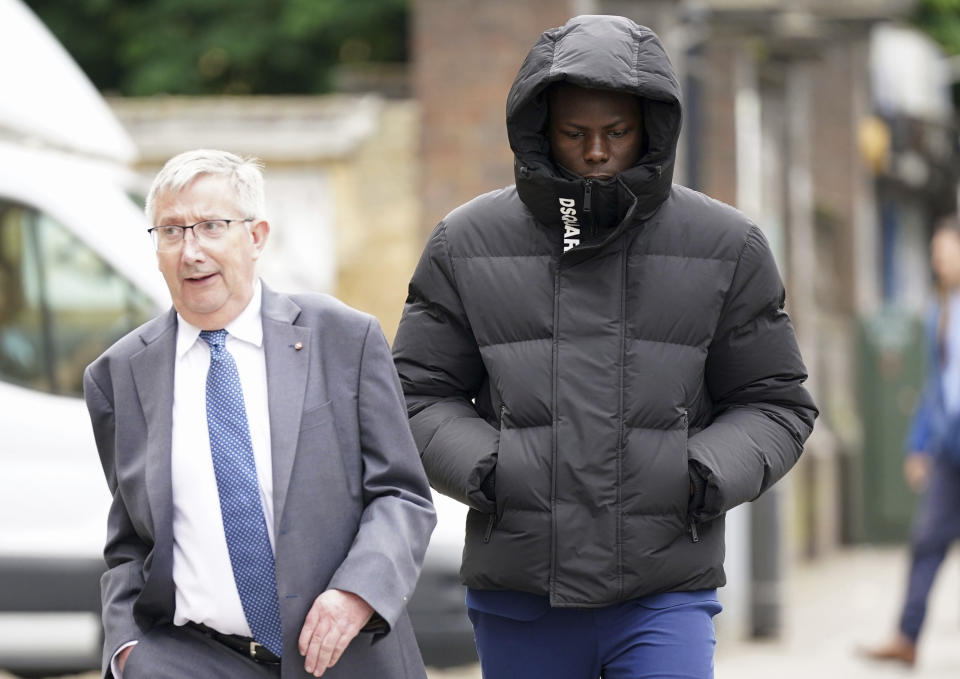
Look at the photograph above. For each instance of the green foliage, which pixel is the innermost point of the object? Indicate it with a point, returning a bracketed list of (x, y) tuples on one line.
[(941, 20), (143, 47)]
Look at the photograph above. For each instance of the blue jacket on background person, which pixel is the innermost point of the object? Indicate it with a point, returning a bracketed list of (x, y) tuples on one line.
[(935, 428)]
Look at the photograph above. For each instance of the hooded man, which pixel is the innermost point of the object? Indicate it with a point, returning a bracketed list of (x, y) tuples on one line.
[(598, 363)]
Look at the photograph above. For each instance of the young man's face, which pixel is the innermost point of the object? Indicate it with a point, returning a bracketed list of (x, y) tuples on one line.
[(594, 133)]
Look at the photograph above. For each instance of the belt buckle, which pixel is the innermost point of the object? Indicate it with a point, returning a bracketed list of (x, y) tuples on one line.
[(254, 646)]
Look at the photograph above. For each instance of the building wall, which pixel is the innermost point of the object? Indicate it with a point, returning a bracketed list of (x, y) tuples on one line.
[(718, 150), (378, 216), (465, 56), (838, 166)]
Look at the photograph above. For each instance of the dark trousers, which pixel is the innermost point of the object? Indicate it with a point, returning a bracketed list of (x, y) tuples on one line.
[(937, 526), (170, 652), (664, 636)]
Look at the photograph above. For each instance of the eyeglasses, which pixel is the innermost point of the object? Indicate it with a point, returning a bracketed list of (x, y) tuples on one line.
[(170, 237)]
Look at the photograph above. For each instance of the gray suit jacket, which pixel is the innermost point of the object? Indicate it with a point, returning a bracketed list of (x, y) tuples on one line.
[(351, 501)]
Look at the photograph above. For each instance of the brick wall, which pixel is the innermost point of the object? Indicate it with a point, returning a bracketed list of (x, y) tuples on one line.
[(465, 56), (718, 153), (838, 168)]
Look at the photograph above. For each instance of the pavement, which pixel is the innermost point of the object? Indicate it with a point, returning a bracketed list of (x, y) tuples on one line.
[(833, 605), (849, 600)]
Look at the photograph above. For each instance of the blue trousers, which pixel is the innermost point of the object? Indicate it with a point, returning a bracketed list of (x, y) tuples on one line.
[(937, 526), (663, 636)]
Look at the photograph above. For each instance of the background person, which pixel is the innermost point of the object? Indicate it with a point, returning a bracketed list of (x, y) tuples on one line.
[(268, 500), (598, 363), (933, 461)]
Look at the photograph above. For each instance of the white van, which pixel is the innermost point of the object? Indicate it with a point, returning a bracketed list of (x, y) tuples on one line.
[(73, 279), (76, 273)]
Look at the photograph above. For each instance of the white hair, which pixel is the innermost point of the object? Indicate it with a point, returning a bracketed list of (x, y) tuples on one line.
[(245, 176)]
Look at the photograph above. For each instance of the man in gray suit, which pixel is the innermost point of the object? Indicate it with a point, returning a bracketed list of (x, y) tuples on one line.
[(270, 512)]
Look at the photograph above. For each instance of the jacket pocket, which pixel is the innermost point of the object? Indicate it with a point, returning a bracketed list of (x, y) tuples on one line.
[(492, 519), (692, 527)]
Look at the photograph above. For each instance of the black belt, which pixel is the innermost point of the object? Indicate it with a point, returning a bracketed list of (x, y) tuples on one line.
[(243, 645)]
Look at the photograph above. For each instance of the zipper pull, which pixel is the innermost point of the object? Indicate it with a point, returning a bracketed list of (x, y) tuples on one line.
[(489, 530), (694, 535), (587, 192)]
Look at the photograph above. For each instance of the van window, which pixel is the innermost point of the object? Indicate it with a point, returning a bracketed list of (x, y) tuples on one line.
[(61, 305), (22, 356)]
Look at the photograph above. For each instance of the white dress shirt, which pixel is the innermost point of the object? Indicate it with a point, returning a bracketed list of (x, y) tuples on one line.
[(202, 575)]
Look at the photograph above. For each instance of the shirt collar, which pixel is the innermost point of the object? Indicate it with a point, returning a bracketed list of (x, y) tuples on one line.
[(247, 327)]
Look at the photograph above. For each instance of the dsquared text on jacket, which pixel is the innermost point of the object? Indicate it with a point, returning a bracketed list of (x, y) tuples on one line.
[(571, 225)]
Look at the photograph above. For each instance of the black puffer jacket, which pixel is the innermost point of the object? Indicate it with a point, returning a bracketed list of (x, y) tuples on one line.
[(594, 382)]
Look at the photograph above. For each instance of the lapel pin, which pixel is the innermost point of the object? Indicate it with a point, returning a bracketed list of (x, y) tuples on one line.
[(298, 346)]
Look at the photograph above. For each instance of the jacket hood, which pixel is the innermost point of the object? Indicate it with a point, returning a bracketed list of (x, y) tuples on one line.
[(598, 52)]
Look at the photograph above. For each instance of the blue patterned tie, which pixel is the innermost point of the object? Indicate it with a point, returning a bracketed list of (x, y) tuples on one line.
[(243, 523)]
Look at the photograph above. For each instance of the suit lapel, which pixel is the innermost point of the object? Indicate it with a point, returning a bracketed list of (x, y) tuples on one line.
[(153, 370), (287, 352)]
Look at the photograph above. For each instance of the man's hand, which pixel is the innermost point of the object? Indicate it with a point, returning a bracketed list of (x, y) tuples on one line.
[(122, 657), (916, 470), (332, 623)]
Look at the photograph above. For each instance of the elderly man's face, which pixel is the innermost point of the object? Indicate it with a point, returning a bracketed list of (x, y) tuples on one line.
[(595, 133), (210, 283)]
